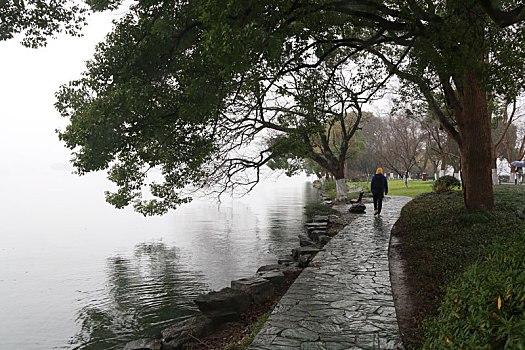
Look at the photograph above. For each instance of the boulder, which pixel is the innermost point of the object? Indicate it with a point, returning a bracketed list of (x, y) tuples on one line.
[(181, 332), (276, 278), (320, 218), (304, 260), (289, 271), (332, 218), (225, 305), (271, 267), (285, 260), (258, 288), (297, 252), (316, 225), (305, 241), (144, 344), (315, 234), (323, 239)]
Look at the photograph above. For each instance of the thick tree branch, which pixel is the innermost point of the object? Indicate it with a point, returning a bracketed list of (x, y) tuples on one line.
[(503, 18), (426, 92)]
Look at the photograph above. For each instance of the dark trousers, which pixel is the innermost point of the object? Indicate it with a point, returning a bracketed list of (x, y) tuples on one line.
[(378, 202)]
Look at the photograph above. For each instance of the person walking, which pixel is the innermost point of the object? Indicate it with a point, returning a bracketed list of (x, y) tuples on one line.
[(378, 186)]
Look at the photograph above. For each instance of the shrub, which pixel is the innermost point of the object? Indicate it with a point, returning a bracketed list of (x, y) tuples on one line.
[(329, 188), (485, 307), (329, 185), (314, 209), (446, 183)]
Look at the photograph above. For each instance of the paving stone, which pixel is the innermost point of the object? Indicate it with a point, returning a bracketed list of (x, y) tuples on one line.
[(338, 346), (263, 340), (292, 343), (313, 346), (320, 327), (300, 333), (326, 312)]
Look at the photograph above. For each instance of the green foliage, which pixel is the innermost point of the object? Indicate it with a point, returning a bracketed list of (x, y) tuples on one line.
[(442, 238), (446, 183), (329, 185), (485, 306), (329, 189), (315, 209)]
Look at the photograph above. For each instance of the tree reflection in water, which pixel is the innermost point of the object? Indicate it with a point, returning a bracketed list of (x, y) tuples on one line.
[(143, 294)]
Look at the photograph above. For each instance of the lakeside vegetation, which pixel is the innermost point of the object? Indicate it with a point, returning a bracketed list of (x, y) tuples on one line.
[(466, 270)]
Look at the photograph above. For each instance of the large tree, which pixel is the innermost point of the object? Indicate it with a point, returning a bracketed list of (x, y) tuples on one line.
[(327, 101), (331, 148), (167, 87)]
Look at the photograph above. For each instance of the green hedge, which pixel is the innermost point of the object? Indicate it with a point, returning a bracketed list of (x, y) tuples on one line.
[(485, 307), (446, 183)]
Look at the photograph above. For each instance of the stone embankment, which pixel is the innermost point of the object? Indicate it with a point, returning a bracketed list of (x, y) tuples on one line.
[(228, 304)]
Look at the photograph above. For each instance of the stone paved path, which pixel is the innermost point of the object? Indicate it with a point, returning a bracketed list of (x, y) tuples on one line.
[(345, 300)]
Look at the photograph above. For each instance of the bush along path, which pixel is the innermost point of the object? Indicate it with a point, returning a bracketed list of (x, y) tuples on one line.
[(343, 299), (465, 272)]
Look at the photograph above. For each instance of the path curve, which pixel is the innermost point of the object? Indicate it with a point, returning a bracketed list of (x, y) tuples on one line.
[(345, 300)]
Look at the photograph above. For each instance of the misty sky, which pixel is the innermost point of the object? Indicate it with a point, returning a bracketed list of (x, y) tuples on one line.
[(28, 80)]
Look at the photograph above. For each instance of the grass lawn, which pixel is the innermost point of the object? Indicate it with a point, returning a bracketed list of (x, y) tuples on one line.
[(440, 240), (398, 188)]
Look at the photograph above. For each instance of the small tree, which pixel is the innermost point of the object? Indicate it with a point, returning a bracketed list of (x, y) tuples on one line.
[(400, 144)]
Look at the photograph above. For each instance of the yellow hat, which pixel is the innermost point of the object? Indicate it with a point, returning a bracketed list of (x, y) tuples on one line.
[(379, 171)]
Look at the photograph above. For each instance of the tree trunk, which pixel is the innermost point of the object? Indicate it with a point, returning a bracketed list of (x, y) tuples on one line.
[(342, 191), (494, 162), (443, 165), (495, 176), (347, 171), (476, 145), (406, 179)]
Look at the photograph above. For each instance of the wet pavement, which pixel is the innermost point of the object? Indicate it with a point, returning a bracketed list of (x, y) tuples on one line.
[(343, 301)]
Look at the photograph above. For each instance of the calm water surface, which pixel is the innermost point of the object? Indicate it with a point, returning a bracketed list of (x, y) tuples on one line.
[(77, 274)]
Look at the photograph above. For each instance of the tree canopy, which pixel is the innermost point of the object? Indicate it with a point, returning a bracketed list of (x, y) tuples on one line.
[(186, 86)]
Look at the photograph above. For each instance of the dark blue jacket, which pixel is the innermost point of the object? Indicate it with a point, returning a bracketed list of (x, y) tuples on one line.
[(377, 177)]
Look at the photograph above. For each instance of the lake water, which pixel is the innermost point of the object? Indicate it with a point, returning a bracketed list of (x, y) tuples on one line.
[(77, 274)]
